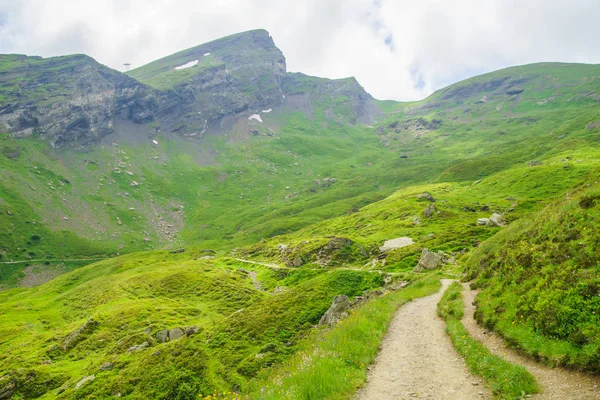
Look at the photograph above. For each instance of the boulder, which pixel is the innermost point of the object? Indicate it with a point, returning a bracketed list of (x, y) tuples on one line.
[(296, 262), (107, 366), (191, 330), (428, 261), (429, 210), (162, 336), (176, 333), (425, 196), (534, 163), (397, 243), (483, 221), (338, 310), (496, 220)]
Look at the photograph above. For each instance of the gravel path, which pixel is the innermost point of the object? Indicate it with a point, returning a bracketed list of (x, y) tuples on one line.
[(417, 359), (556, 383)]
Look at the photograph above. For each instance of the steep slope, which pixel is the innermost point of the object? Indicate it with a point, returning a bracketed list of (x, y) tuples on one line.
[(68, 101), (540, 281)]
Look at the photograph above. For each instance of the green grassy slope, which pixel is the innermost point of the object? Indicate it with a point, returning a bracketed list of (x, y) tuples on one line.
[(540, 281)]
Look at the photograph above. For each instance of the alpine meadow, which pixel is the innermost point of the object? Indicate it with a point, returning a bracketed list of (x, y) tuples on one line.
[(212, 226)]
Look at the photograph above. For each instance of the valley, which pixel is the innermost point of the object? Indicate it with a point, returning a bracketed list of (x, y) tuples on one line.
[(179, 231)]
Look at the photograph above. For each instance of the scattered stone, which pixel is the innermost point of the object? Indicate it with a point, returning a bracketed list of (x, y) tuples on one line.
[(138, 347), (425, 196), (327, 252), (134, 183), (338, 310), (176, 333), (428, 237), (177, 251), (428, 261), (483, 221), (397, 243), (416, 221), (162, 336), (484, 208), (296, 262), (429, 210), (191, 330), (84, 381), (496, 220), (534, 163)]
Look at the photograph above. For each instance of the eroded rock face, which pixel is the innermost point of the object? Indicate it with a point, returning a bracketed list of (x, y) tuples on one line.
[(74, 101), (71, 100), (428, 261), (338, 311)]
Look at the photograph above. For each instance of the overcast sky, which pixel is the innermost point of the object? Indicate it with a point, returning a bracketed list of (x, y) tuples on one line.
[(397, 49)]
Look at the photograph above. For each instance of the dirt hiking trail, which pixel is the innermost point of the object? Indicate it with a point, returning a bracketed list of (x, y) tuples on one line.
[(417, 359), (555, 383)]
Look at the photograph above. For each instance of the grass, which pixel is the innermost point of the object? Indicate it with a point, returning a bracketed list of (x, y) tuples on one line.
[(332, 363), (506, 380), (539, 281)]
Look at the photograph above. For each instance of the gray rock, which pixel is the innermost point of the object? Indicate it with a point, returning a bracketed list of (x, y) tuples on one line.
[(191, 330), (483, 221), (138, 347), (534, 163), (327, 252), (176, 333), (416, 221), (162, 336), (429, 210), (428, 261), (397, 243), (296, 262), (425, 196), (338, 310), (496, 220)]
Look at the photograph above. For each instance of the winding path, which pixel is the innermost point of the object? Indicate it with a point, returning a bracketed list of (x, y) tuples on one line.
[(556, 383), (417, 359)]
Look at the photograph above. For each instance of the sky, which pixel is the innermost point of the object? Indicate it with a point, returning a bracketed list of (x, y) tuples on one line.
[(397, 49)]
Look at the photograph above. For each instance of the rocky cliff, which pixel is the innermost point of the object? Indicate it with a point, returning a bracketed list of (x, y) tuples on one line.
[(73, 100), (68, 100)]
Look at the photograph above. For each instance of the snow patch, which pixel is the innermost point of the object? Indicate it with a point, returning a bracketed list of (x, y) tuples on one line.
[(154, 142), (267, 111), (206, 54), (256, 117), (188, 65)]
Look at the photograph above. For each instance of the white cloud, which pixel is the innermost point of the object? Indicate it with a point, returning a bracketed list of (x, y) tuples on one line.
[(396, 48)]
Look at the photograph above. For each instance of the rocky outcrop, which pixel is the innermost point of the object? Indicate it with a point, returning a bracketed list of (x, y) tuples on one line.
[(338, 311), (429, 210), (428, 261), (425, 196), (328, 252), (69, 101), (81, 332), (494, 220)]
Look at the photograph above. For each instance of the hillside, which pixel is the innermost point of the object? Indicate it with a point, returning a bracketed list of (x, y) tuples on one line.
[(230, 202)]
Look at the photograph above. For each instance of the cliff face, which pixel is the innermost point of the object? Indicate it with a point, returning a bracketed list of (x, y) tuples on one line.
[(73, 100), (68, 100)]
